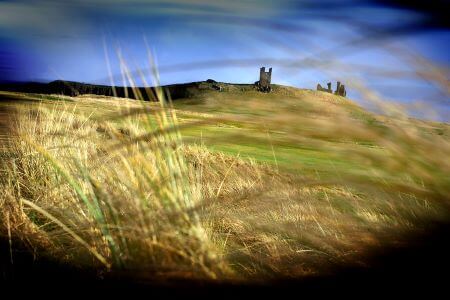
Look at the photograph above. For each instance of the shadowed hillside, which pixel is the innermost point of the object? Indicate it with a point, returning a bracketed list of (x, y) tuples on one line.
[(71, 88)]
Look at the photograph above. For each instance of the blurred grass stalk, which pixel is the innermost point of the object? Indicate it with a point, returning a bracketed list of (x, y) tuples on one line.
[(134, 197), (135, 209)]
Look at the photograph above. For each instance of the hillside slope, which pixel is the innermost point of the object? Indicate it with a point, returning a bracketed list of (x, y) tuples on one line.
[(230, 183), (175, 91), (71, 88)]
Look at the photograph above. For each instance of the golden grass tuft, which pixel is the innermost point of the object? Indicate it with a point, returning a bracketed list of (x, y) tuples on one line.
[(315, 184)]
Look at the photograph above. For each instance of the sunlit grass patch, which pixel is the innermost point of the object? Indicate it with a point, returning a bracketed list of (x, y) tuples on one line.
[(266, 187)]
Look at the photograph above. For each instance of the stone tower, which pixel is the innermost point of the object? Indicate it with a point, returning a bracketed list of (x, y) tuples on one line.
[(264, 79)]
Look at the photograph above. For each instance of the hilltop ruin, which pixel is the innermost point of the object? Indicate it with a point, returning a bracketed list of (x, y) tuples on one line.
[(265, 78), (340, 89), (328, 90)]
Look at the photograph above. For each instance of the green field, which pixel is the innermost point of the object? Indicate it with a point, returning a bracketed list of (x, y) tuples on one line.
[(236, 184)]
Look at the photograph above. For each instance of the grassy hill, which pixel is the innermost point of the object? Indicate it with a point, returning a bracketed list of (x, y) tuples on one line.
[(227, 183), (72, 88)]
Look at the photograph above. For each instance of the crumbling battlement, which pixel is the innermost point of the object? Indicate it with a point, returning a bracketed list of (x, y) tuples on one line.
[(265, 78), (340, 89), (320, 88)]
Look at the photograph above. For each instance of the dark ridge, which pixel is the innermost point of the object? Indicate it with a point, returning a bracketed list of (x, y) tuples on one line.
[(71, 88)]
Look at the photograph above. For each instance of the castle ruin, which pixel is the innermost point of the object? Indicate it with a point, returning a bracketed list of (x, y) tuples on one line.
[(328, 90), (340, 89), (263, 85)]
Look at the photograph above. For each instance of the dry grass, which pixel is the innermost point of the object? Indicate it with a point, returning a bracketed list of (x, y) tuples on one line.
[(128, 208), (125, 193)]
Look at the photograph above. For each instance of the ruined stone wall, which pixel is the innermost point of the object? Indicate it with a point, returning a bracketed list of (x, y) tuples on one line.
[(328, 90), (265, 79), (340, 89)]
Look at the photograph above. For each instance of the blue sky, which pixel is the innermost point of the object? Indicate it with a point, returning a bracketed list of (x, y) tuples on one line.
[(193, 40)]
